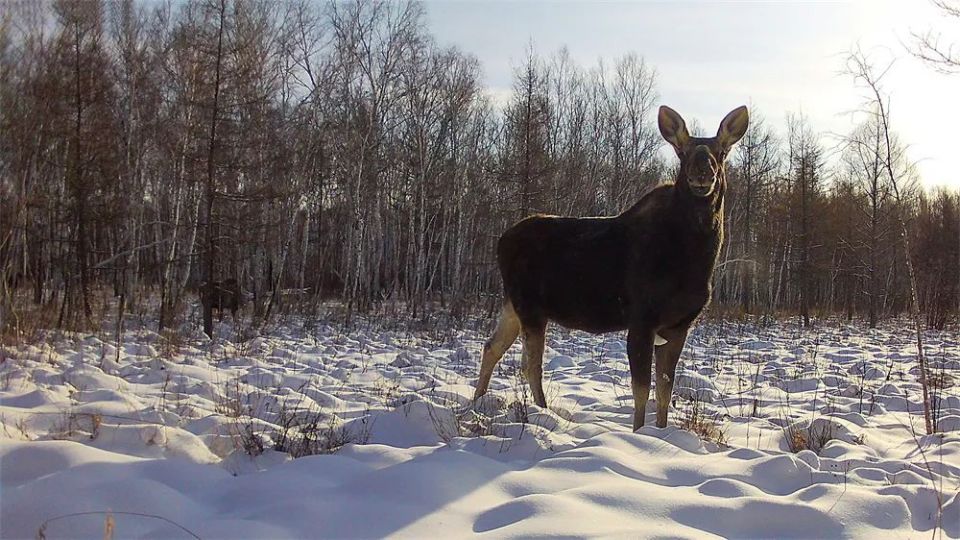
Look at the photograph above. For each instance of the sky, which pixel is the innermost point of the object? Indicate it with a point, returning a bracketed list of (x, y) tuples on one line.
[(712, 56)]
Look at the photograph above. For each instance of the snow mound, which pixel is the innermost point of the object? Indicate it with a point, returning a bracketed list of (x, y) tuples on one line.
[(773, 432)]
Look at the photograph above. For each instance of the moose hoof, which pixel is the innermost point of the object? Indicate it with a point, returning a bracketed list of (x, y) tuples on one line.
[(657, 340)]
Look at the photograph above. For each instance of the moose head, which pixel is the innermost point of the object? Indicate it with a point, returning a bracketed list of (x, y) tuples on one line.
[(701, 158)]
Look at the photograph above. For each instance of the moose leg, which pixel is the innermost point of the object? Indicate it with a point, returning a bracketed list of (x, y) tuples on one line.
[(534, 336), (508, 328), (208, 320), (640, 351), (667, 355)]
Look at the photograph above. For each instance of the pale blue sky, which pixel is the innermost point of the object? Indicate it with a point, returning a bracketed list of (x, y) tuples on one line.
[(712, 56)]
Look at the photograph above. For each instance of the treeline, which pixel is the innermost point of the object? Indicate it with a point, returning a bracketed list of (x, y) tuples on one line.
[(337, 149)]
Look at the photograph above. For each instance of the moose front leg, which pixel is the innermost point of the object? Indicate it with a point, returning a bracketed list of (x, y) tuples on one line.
[(640, 351), (667, 355)]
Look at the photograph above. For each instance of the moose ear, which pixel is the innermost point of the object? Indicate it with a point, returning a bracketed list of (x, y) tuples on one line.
[(733, 126), (673, 128)]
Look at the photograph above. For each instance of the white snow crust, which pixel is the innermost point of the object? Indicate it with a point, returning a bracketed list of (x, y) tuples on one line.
[(810, 433)]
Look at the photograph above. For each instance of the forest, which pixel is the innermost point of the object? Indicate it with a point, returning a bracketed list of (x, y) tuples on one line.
[(336, 153)]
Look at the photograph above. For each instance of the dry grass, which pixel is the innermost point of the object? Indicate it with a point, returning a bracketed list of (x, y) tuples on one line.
[(27, 323), (299, 429), (109, 522), (694, 418), (70, 424), (813, 435), (170, 344)]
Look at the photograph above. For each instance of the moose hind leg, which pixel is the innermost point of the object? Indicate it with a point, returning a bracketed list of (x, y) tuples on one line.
[(667, 356), (508, 328), (534, 336)]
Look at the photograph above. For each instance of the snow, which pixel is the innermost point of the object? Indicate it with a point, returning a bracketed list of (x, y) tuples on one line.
[(314, 431)]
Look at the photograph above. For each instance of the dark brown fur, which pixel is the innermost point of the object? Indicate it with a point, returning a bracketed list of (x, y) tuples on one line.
[(221, 295), (647, 270)]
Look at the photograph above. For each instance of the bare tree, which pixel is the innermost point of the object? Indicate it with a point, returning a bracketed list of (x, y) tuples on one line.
[(901, 184), (372, 41), (863, 160), (937, 237), (80, 51), (754, 165), (219, 14), (929, 46), (527, 123), (805, 172)]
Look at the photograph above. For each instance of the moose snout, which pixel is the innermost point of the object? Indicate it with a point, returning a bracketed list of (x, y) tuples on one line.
[(702, 172), (701, 189)]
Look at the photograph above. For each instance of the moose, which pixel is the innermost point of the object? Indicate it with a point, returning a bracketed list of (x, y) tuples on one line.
[(647, 270), (221, 295)]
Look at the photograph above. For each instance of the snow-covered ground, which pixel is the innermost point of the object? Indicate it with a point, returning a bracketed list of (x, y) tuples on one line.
[(178, 437)]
